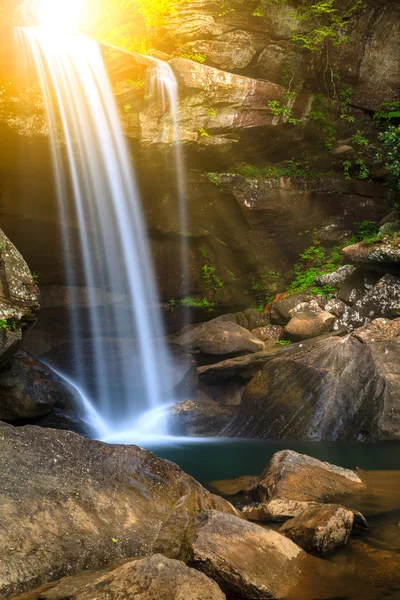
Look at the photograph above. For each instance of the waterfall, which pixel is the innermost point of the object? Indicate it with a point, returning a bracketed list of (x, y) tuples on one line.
[(130, 386), (161, 86)]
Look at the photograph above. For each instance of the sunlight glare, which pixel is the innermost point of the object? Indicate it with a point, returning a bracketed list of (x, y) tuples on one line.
[(60, 14)]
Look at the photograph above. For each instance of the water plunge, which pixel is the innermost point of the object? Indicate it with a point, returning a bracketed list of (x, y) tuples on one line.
[(131, 387)]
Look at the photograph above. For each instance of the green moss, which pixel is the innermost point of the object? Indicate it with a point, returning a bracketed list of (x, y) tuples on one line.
[(9, 324), (291, 168), (282, 342), (193, 302), (210, 277), (197, 56), (202, 252), (214, 178)]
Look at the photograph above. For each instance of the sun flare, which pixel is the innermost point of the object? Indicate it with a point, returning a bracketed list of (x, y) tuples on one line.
[(60, 14)]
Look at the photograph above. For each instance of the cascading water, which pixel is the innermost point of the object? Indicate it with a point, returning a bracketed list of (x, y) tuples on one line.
[(161, 86), (127, 391)]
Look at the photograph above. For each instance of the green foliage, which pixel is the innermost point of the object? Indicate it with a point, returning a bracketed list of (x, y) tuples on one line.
[(9, 324), (291, 168), (193, 302), (359, 139), (197, 56), (210, 277), (389, 153), (284, 111), (203, 133), (263, 286), (320, 113), (389, 112), (214, 178), (366, 229), (211, 112), (314, 262), (127, 108), (345, 98), (356, 170), (202, 252), (282, 342), (36, 277)]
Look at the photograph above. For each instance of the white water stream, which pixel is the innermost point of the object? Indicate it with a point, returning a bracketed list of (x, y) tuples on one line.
[(125, 392)]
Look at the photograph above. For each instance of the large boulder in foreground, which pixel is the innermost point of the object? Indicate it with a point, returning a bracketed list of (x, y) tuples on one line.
[(19, 298), (152, 578), (332, 389), (68, 504), (248, 561), (220, 338)]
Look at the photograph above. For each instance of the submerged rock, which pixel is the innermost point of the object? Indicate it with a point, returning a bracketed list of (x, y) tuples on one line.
[(152, 578), (331, 389), (302, 478), (320, 527), (62, 492)]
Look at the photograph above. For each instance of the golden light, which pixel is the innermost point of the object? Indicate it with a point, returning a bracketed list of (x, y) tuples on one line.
[(60, 14)]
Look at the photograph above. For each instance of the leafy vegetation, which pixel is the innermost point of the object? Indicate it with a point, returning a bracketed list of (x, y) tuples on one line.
[(285, 111), (9, 324), (197, 56), (193, 302), (291, 168), (282, 342)]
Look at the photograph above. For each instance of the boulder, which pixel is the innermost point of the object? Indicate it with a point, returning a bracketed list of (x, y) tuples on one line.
[(152, 578), (256, 319), (280, 310), (246, 560), (277, 509), (194, 418), (320, 528), (62, 492), (29, 389), (336, 278), (330, 389), (19, 298), (353, 288), (220, 338), (302, 478), (335, 306), (384, 255), (382, 300), (306, 325), (271, 332)]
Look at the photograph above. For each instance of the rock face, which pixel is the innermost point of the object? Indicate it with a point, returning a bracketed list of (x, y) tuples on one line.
[(153, 578), (61, 492), (320, 528), (200, 418), (246, 560), (383, 256), (28, 389), (220, 338), (332, 389), (19, 298)]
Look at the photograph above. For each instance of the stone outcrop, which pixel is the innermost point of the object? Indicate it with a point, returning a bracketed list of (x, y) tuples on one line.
[(332, 389), (19, 298), (150, 578), (61, 492), (309, 324), (384, 256)]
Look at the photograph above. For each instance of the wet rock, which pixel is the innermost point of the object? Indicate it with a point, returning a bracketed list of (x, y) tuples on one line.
[(245, 558), (385, 255), (19, 298), (272, 332), (200, 418), (330, 389), (220, 338), (152, 578), (336, 278), (293, 476), (29, 389), (320, 528), (61, 492), (306, 325), (383, 300), (277, 509)]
